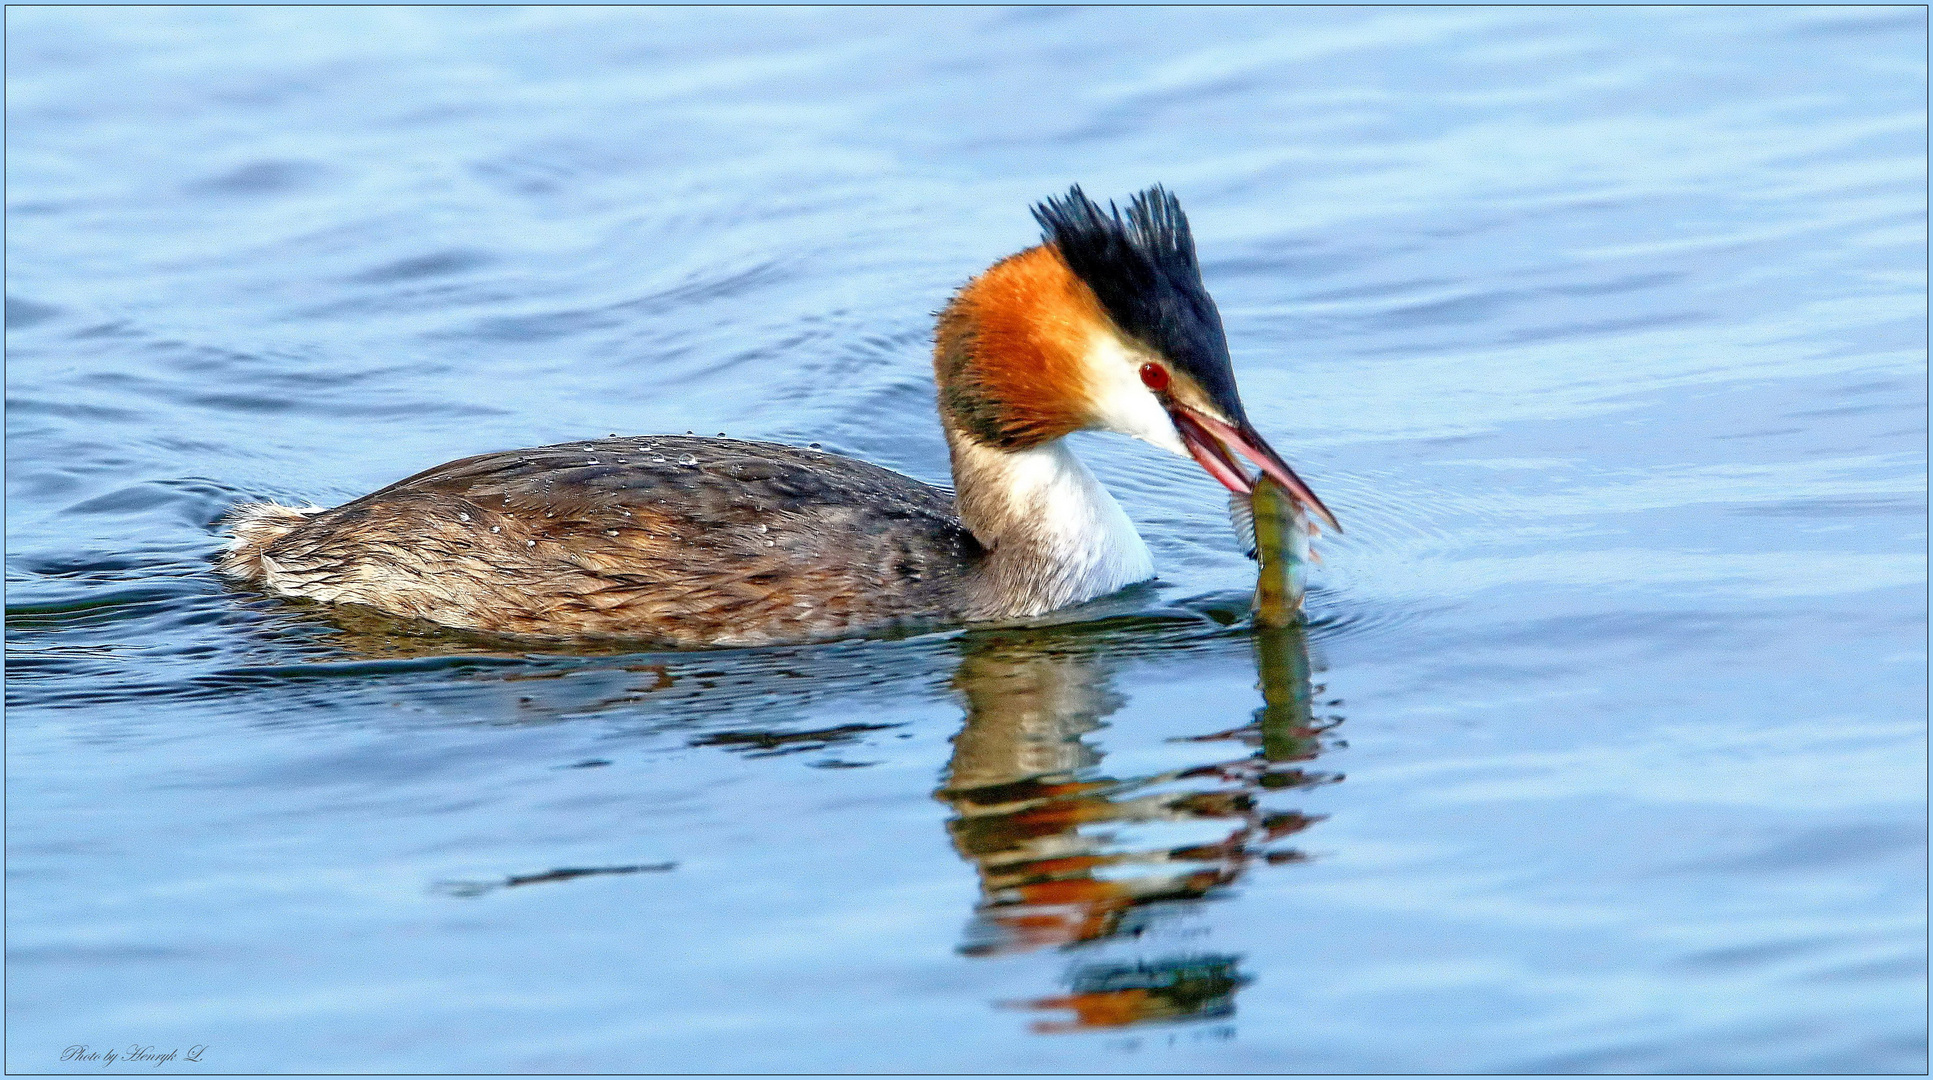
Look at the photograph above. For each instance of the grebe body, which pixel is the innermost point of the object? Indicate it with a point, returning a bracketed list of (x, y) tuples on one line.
[(700, 541)]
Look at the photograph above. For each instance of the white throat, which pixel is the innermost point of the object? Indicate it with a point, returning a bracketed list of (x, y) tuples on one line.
[(1054, 535)]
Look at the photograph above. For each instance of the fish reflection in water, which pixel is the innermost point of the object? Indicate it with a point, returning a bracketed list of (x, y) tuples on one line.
[(1050, 840)]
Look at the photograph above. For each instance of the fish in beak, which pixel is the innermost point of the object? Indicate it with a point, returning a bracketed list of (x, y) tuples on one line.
[(1214, 442)]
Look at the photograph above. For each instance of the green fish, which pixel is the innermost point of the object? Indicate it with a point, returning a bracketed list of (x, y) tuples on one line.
[(1272, 526)]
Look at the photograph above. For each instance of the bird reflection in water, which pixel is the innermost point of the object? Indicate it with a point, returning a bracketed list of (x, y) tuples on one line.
[(1051, 837)]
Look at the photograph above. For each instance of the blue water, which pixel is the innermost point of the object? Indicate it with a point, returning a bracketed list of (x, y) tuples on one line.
[(1604, 331)]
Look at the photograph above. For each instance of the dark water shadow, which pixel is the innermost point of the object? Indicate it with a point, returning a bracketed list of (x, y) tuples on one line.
[(478, 888)]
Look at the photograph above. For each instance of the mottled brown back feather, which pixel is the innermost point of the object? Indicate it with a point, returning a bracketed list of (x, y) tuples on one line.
[(667, 538)]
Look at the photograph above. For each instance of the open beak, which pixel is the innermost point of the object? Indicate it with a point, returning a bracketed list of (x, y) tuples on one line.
[(1214, 442)]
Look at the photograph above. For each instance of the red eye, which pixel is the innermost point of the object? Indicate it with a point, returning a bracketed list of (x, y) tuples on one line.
[(1154, 376)]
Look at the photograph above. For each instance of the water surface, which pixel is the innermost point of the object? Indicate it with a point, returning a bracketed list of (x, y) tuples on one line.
[(1603, 331)]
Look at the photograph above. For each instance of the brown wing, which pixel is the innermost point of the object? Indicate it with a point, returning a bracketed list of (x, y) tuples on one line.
[(674, 538)]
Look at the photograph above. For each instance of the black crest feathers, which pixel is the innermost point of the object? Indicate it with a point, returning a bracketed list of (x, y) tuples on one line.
[(1142, 268)]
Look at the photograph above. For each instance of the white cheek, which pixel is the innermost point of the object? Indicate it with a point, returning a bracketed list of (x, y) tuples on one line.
[(1121, 403)]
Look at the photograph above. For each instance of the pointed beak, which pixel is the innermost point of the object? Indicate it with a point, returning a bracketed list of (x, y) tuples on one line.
[(1215, 442)]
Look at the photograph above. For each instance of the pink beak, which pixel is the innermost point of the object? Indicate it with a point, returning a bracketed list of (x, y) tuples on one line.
[(1211, 440)]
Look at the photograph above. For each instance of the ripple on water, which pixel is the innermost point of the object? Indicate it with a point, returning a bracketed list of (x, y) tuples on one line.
[(262, 179), (22, 314), (711, 285), (418, 267)]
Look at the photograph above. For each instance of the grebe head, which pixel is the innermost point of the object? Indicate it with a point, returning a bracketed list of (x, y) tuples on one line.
[(1105, 327)]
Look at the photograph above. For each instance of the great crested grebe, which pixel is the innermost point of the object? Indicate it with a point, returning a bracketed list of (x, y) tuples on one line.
[(695, 541)]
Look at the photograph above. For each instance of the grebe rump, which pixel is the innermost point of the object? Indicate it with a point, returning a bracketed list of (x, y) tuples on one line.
[(696, 541)]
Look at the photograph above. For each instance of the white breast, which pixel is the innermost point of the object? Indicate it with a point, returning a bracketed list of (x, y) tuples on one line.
[(1061, 538)]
